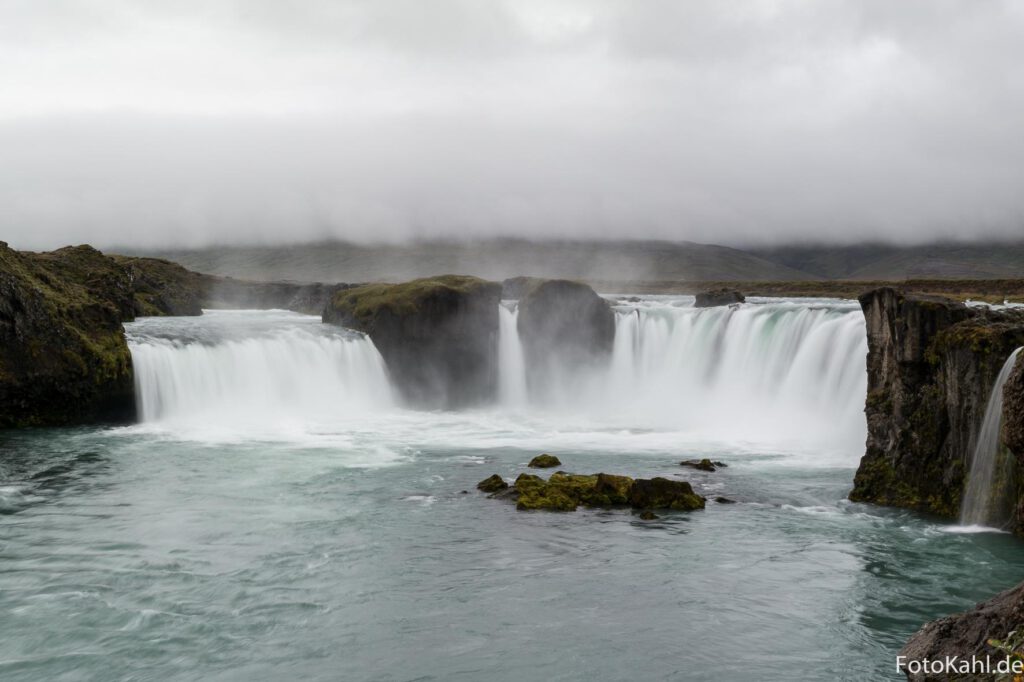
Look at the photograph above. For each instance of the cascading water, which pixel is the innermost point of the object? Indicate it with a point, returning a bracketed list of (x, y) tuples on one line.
[(985, 498), (511, 365), (778, 373), (253, 368)]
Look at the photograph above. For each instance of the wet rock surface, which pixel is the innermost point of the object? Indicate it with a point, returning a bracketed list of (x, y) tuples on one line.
[(565, 328), (438, 336), (931, 365), (544, 461), (703, 464), (566, 492)]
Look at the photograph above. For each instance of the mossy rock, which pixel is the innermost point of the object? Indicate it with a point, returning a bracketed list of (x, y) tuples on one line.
[(360, 307), (544, 461), (662, 493), (492, 484), (565, 492), (63, 354), (437, 335)]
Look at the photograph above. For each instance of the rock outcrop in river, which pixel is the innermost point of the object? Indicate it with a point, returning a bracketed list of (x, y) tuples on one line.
[(565, 492), (438, 336), (931, 365), (565, 327)]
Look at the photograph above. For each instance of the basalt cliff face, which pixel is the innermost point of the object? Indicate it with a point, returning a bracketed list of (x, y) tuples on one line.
[(932, 363), (438, 335), (565, 327)]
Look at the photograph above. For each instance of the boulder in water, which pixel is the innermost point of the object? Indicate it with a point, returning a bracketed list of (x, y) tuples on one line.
[(438, 335), (648, 515), (701, 464), (931, 366), (718, 297), (492, 484), (662, 493), (544, 461), (565, 492)]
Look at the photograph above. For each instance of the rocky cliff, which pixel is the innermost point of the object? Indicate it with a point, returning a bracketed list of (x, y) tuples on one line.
[(931, 366), (63, 356), (438, 336)]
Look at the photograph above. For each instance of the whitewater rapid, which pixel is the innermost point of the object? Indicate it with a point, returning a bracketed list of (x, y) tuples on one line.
[(772, 375)]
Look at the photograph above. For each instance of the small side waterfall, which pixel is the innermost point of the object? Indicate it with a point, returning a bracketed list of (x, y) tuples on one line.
[(985, 498), (511, 365)]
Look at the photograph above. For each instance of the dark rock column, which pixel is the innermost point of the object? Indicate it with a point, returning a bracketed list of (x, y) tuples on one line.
[(566, 328), (438, 336)]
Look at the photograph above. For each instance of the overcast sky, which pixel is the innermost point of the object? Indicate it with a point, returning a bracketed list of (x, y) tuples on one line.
[(152, 123)]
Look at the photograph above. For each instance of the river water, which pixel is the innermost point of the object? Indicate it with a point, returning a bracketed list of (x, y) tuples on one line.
[(278, 515)]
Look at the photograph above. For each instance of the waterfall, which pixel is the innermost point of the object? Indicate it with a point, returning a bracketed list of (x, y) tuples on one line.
[(782, 373), (991, 468), (253, 368), (511, 366)]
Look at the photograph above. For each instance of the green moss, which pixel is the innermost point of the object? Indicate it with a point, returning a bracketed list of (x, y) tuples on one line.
[(663, 493), (68, 359), (544, 461), (492, 484), (363, 303), (876, 482), (565, 492), (879, 400)]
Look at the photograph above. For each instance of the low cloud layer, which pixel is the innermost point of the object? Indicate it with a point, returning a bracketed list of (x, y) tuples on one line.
[(254, 121)]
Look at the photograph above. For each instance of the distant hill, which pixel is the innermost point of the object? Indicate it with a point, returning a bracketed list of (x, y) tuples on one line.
[(620, 261), (885, 262), (494, 259)]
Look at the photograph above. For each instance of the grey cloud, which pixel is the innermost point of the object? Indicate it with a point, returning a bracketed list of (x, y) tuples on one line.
[(260, 122)]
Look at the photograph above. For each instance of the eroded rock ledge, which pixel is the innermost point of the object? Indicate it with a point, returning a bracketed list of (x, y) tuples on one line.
[(931, 366)]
